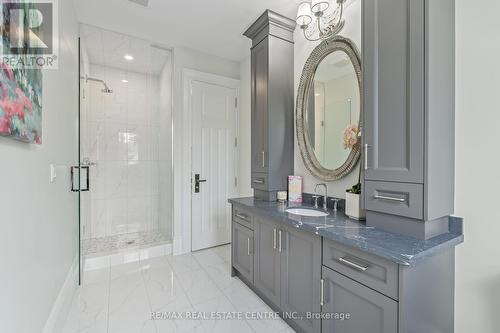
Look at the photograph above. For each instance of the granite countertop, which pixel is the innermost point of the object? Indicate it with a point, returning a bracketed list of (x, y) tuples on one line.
[(403, 250)]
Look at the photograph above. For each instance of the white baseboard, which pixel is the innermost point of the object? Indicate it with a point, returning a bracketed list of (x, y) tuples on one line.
[(57, 317), (126, 256)]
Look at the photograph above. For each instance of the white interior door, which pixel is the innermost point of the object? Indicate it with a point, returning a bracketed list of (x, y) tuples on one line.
[(213, 156)]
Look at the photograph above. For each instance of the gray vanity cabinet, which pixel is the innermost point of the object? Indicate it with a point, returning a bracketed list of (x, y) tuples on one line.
[(242, 248), (260, 128), (300, 276), (272, 103), (393, 72), (368, 310), (267, 258), (408, 129)]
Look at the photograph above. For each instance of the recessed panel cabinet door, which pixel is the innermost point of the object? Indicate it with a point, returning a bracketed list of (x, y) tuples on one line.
[(260, 65), (369, 310), (393, 83), (267, 258), (242, 250), (300, 276)]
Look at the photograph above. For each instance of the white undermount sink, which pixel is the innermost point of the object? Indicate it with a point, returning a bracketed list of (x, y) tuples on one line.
[(306, 212)]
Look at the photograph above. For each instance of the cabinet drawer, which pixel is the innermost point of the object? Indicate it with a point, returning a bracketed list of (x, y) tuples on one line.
[(369, 310), (259, 181), (242, 216), (401, 199), (370, 270)]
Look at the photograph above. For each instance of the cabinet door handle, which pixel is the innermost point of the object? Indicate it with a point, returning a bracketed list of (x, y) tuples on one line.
[(243, 217), (383, 197), (366, 156), (258, 181), (352, 264), (263, 159), (321, 292), (248, 245), (274, 238), (279, 240)]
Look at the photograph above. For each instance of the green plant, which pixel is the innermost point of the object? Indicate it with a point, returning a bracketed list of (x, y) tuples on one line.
[(356, 189)]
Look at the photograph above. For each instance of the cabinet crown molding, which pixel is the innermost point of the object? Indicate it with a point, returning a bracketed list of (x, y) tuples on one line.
[(271, 21)]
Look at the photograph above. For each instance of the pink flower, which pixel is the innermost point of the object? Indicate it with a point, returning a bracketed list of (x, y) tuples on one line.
[(351, 136)]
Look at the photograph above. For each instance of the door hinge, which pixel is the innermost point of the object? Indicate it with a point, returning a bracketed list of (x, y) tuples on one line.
[(236, 142), (235, 181), (236, 102)]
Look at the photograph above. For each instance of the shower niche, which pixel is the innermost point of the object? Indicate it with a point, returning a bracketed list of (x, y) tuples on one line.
[(126, 141)]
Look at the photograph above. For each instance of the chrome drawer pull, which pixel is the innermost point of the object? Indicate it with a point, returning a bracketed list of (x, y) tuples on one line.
[(352, 264), (274, 239), (258, 181), (279, 241), (383, 197), (322, 292), (366, 156), (243, 217)]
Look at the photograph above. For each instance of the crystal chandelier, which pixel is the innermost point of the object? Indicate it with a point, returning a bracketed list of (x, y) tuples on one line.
[(328, 21)]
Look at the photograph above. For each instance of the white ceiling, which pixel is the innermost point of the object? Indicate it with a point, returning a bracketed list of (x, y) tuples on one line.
[(210, 26), (108, 48)]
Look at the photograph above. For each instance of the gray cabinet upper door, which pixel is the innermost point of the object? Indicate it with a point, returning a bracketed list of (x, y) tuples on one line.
[(368, 310), (393, 83), (267, 258), (259, 82), (242, 250), (300, 276)]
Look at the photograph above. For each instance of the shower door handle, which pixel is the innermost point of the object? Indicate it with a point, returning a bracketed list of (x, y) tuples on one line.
[(87, 180)]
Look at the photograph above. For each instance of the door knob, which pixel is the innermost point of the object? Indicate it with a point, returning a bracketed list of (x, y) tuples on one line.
[(197, 182)]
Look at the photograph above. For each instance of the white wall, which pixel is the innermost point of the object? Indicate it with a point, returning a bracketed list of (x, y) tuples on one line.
[(39, 238), (477, 158), (302, 50), (189, 59)]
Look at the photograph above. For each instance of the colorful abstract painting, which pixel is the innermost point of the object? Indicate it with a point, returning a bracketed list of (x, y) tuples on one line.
[(20, 98), (21, 103)]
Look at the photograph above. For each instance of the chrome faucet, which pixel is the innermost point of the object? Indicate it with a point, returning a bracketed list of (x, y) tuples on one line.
[(325, 198)]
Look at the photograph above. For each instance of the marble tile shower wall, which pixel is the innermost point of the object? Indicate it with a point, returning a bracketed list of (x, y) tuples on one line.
[(121, 134)]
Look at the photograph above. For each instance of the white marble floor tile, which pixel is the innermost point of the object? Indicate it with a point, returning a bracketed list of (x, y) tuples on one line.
[(164, 289), (207, 258), (224, 252), (221, 275), (121, 299), (100, 276), (183, 263), (184, 324), (144, 327), (125, 269), (221, 306), (244, 299), (198, 286), (128, 302)]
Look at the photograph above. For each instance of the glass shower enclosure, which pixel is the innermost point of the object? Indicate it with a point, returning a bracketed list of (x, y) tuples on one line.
[(125, 143)]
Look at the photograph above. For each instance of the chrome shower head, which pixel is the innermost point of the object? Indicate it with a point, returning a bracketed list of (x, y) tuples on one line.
[(106, 89)]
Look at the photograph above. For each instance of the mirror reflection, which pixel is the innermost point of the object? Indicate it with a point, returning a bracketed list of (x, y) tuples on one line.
[(333, 110)]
